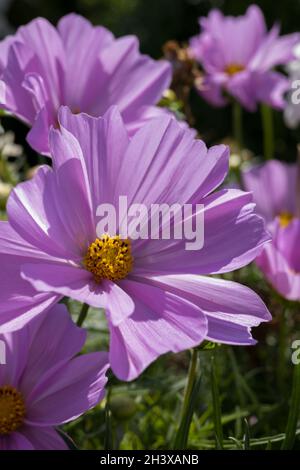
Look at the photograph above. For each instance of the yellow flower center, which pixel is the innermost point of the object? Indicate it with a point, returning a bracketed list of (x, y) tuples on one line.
[(12, 410), (285, 218), (232, 69), (109, 258)]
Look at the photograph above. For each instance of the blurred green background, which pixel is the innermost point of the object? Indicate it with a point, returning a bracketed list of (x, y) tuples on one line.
[(155, 22)]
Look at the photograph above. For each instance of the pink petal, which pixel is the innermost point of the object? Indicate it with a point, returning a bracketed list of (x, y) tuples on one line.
[(15, 441), (162, 322), (68, 390), (44, 438), (233, 236), (54, 339), (229, 320), (274, 187)]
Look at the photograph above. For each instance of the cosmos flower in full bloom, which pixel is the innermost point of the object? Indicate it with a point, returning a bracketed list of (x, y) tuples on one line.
[(43, 384), (274, 185), (238, 56), (155, 292), (80, 66)]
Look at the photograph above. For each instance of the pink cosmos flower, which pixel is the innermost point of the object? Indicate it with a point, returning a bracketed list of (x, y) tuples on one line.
[(78, 65), (274, 185), (43, 384), (155, 292), (238, 56)]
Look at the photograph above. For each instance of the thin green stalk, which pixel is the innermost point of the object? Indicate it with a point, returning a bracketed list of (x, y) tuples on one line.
[(190, 396), (239, 389), (237, 123), (83, 314), (217, 411), (237, 377), (281, 369), (5, 173), (268, 131), (247, 440), (191, 378), (291, 428), (108, 441)]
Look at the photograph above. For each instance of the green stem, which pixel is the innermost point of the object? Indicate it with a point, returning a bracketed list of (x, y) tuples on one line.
[(217, 411), (268, 131), (83, 314), (237, 123), (189, 401), (291, 428), (281, 352), (108, 441), (237, 377), (5, 173), (191, 379), (240, 394)]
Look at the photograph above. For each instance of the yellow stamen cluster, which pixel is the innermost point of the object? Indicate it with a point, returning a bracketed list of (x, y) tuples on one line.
[(109, 258), (12, 410), (232, 69), (285, 218)]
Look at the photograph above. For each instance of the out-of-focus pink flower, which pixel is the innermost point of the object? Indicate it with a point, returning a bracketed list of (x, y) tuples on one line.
[(80, 66), (238, 55), (274, 185)]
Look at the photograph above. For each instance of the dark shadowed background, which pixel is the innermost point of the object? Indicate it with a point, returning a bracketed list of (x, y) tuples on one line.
[(155, 22)]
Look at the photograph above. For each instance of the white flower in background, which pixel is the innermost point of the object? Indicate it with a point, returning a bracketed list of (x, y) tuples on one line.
[(8, 147), (292, 110)]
